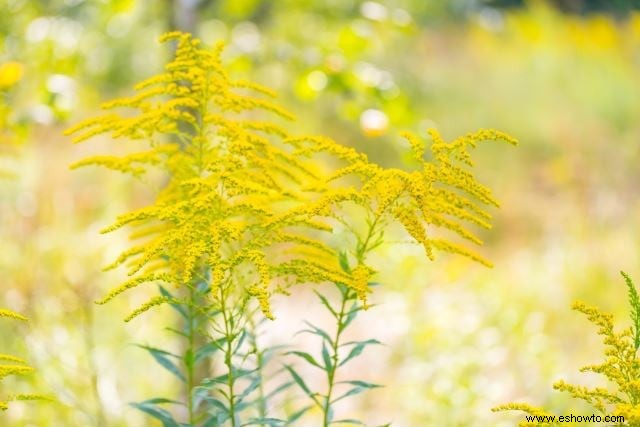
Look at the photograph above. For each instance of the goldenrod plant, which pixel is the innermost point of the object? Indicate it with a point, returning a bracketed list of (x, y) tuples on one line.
[(246, 212), (440, 193), (621, 369), (10, 74), (228, 203), (228, 183), (12, 365)]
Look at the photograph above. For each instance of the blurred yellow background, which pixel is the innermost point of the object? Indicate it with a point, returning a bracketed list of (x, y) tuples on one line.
[(562, 77)]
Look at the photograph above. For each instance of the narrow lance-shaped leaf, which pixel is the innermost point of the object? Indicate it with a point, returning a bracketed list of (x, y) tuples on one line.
[(348, 421), (360, 386), (298, 379), (316, 331), (281, 388), (356, 350), (208, 349), (326, 358), (326, 303), (307, 357), (163, 415), (162, 357), (298, 414), (634, 302), (271, 422), (253, 385), (177, 307), (351, 315)]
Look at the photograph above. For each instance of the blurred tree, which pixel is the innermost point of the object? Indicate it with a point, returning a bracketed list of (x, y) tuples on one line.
[(576, 6)]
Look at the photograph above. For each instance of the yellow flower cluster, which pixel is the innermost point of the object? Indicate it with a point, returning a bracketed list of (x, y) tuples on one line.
[(442, 193), (245, 203), (528, 409), (12, 365), (10, 74), (234, 191), (11, 314), (621, 368)]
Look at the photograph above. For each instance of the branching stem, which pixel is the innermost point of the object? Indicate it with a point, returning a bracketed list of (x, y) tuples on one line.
[(331, 372), (189, 359), (363, 247), (228, 356)]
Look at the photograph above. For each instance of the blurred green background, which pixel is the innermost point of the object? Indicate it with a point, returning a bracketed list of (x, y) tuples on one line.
[(563, 77)]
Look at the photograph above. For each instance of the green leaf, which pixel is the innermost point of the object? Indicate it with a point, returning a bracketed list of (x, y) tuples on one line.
[(306, 356), (297, 415), (345, 291), (220, 379), (278, 390), (176, 306), (298, 379), (177, 332), (271, 422), (326, 303), (203, 287), (158, 413), (348, 421), (208, 349), (358, 347), (365, 343), (241, 373), (360, 383), (634, 302), (224, 378), (351, 315), (360, 386), (316, 331), (250, 388), (270, 352), (217, 403), (217, 419), (326, 358), (200, 394), (159, 400), (243, 336), (162, 357), (344, 262)]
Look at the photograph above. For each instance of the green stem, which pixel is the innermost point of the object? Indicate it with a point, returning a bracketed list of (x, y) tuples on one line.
[(364, 247), (331, 373), (260, 362), (347, 295), (101, 420), (189, 356), (229, 337)]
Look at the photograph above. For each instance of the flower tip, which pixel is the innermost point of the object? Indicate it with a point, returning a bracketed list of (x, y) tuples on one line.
[(171, 35), (577, 305)]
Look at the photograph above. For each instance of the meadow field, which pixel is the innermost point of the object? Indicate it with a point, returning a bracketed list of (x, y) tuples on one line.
[(317, 240)]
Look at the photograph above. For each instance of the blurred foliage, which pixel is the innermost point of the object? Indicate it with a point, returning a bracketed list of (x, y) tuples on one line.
[(460, 339)]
